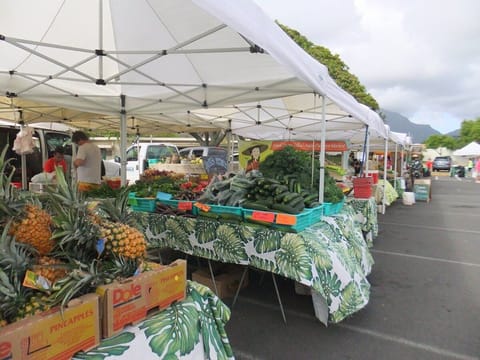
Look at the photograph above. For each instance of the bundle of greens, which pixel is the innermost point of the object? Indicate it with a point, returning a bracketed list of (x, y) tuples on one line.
[(291, 162)]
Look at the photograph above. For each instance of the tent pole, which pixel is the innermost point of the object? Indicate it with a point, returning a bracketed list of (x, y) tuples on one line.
[(384, 200), (229, 146), (100, 38), (123, 140), (395, 172), (321, 188), (366, 150)]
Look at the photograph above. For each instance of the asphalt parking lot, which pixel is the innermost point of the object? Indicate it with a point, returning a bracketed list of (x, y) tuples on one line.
[(425, 296)]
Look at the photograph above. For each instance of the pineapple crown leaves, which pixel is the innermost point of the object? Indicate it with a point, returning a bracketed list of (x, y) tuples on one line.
[(10, 197), (119, 266), (81, 280), (117, 209), (6, 287), (66, 191), (15, 257), (13, 296)]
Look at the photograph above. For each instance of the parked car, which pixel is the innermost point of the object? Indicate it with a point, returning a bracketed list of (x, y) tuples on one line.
[(201, 151), (442, 163)]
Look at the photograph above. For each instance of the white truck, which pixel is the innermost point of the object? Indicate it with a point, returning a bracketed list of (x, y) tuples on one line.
[(142, 155)]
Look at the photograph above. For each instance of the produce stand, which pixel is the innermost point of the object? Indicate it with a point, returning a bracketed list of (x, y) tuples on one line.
[(190, 329), (330, 256)]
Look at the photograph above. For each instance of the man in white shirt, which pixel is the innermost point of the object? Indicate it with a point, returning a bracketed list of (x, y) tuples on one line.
[(87, 162)]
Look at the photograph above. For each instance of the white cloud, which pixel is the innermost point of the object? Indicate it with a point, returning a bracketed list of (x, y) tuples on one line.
[(418, 58)]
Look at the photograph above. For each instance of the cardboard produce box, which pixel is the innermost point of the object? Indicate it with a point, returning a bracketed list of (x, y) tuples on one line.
[(130, 301), (226, 280), (51, 335)]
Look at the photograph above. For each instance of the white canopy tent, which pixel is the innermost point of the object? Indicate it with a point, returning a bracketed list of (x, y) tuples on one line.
[(157, 63), (472, 150)]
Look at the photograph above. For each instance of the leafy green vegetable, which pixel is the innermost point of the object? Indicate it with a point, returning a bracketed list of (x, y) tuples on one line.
[(289, 161)]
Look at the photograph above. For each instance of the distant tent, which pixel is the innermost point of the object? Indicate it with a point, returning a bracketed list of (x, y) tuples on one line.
[(472, 149)]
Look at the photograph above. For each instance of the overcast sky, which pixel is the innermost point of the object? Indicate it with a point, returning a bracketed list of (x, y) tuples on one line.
[(420, 58)]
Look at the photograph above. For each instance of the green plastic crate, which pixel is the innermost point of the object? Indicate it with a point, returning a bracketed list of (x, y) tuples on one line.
[(177, 203), (330, 209), (141, 204), (232, 212)]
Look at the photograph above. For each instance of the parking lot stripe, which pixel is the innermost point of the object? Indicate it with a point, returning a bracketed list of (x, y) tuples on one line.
[(372, 333), (418, 226), (406, 342), (423, 257)]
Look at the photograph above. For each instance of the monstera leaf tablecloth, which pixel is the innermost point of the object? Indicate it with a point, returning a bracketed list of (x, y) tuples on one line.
[(331, 256), (190, 329), (366, 214)]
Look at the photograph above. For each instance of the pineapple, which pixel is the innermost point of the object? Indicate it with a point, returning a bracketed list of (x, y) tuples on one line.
[(123, 240), (17, 301), (36, 304), (50, 268), (34, 229)]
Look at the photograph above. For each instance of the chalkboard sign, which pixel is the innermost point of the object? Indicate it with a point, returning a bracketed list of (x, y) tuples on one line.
[(422, 189), (215, 164)]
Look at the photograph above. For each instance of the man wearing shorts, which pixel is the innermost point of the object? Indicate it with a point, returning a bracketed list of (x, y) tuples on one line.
[(87, 162)]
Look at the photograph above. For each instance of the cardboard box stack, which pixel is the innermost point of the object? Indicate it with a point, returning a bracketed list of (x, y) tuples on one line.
[(53, 335), (130, 301)]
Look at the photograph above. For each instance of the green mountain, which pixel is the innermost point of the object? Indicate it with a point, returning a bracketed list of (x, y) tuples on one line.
[(400, 123)]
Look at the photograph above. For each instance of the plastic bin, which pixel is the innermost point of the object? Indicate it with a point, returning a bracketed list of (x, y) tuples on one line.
[(180, 204), (330, 209), (221, 209), (141, 204), (362, 187)]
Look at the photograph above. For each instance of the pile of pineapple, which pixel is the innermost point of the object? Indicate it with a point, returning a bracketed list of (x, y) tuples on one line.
[(57, 247)]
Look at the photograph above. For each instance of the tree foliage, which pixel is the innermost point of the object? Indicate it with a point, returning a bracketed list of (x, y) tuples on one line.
[(469, 131), (436, 141), (337, 69)]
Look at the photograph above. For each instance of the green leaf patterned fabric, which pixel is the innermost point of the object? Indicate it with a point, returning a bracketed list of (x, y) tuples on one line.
[(193, 327), (331, 256), (366, 215)]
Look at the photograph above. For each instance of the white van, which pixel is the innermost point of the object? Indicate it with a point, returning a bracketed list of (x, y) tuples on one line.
[(201, 151), (141, 155)]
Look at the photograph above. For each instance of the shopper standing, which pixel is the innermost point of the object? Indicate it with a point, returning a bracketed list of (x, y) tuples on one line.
[(470, 166), (88, 162), (477, 169), (57, 160)]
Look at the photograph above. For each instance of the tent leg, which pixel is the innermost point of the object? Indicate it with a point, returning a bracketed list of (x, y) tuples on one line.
[(279, 299), (239, 286), (212, 276)]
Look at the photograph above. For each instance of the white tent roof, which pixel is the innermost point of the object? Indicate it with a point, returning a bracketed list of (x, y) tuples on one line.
[(472, 149), (61, 59), (377, 142)]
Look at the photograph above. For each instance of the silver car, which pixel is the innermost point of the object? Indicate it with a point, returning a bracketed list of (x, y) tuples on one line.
[(442, 163)]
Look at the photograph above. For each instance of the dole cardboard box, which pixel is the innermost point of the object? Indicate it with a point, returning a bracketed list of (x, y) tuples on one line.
[(53, 335), (129, 301)]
